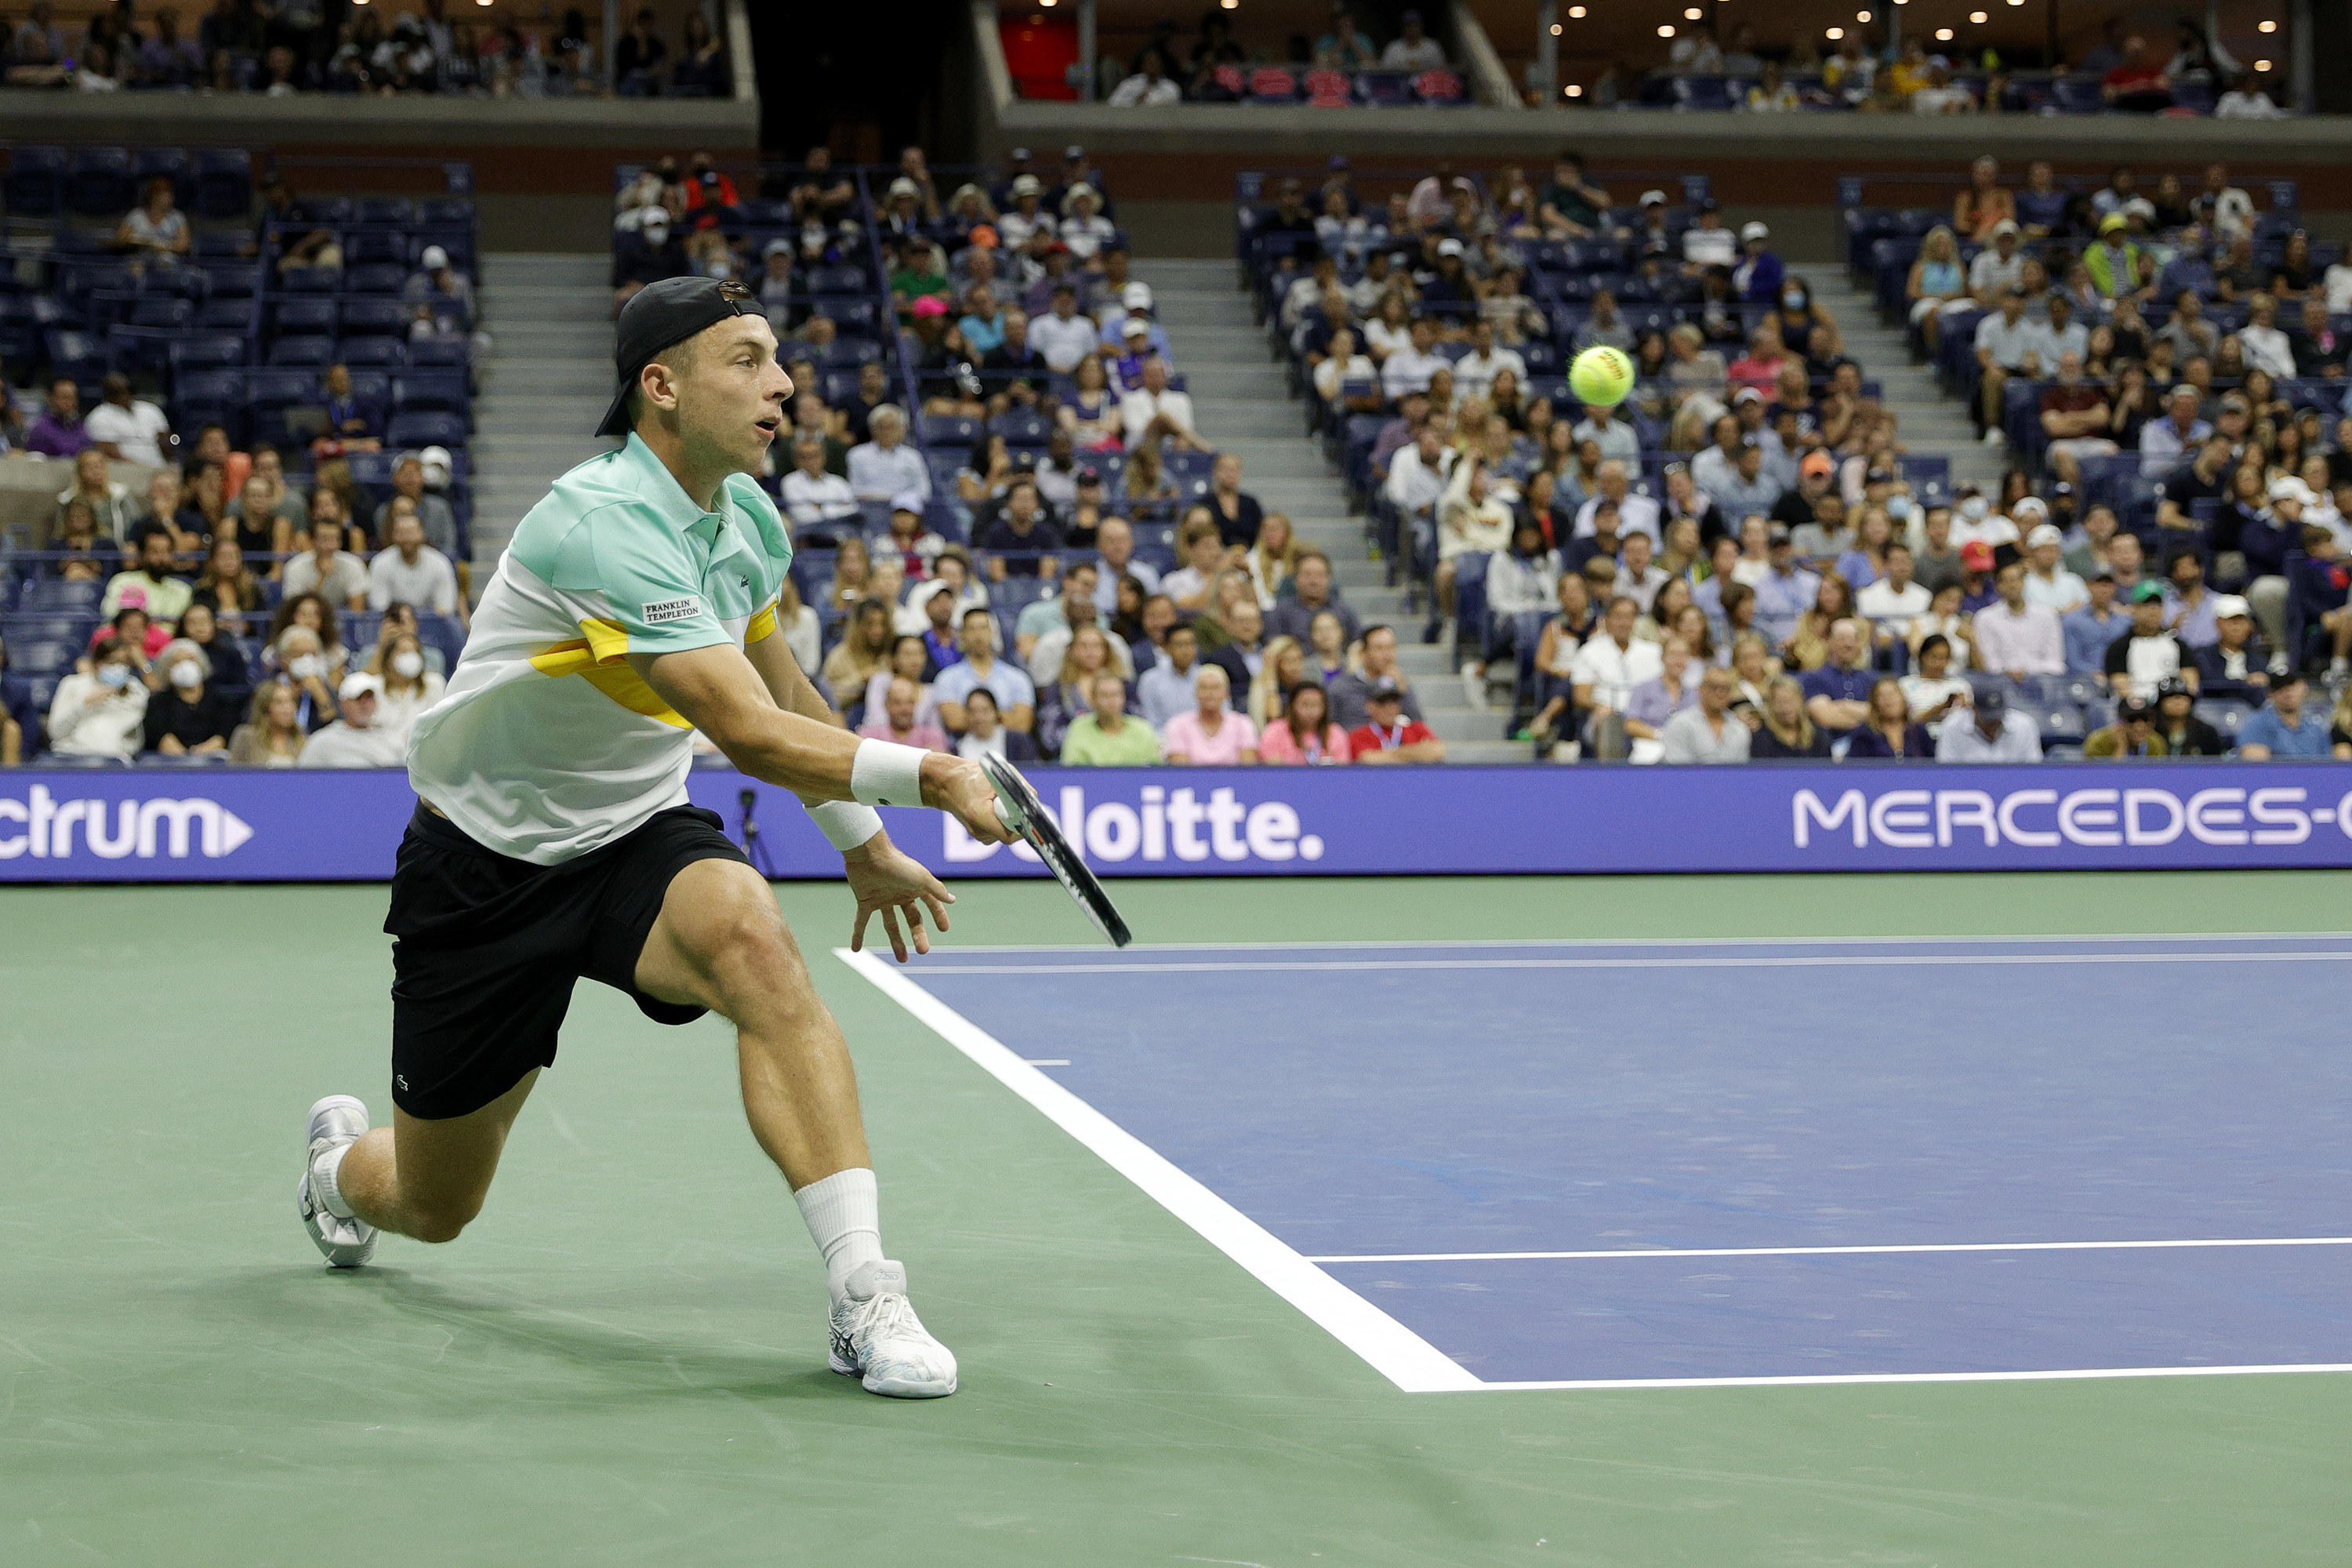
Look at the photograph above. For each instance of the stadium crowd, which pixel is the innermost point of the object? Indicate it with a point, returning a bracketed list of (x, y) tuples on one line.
[(2121, 71), (253, 46), (1751, 507), (1346, 65)]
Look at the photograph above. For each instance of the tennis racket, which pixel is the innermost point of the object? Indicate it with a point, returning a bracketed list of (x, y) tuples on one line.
[(1024, 813)]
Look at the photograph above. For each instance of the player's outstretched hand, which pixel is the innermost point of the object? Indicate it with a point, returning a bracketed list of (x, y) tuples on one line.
[(893, 884), (957, 787)]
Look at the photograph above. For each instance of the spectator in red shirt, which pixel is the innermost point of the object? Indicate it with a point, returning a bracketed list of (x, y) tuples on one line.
[(1391, 737), (709, 195), (2138, 86)]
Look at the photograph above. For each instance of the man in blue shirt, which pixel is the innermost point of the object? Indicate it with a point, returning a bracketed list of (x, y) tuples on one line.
[(1837, 695), (2092, 629), (1785, 592), (2285, 729)]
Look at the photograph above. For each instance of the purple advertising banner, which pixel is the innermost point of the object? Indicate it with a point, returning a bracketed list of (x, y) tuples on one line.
[(230, 824)]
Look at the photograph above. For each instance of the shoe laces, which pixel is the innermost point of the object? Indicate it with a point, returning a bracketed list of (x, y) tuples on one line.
[(888, 1315)]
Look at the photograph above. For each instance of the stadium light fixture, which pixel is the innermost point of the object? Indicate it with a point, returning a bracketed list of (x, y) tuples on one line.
[(1943, 34), (1692, 14), (1576, 13), (1572, 90), (1834, 33), (1555, 29), (2261, 64), (1862, 15), (1977, 17), (2266, 27), (1665, 29)]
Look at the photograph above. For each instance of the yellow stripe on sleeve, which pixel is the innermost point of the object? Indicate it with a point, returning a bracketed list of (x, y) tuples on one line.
[(763, 625)]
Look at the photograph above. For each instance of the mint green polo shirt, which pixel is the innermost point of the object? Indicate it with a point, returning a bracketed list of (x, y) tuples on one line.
[(546, 743)]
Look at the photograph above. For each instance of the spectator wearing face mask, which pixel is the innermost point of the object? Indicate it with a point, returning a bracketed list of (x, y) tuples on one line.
[(100, 711), (408, 688), (189, 715), (355, 740)]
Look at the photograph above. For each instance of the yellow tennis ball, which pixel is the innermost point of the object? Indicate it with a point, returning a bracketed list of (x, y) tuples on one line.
[(1602, 377)]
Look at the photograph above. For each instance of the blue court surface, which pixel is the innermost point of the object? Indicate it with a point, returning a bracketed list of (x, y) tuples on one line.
[(1572, 1165)]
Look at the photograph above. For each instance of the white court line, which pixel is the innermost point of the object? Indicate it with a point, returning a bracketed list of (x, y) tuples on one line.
[(1832, 1251), (1047, 1061), (2066, 1375), (1395, 1352), (1664, 941), (1413, 1364), (1825, 961)]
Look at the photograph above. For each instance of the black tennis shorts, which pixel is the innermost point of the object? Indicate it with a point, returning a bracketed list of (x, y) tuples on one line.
[(487, 949)]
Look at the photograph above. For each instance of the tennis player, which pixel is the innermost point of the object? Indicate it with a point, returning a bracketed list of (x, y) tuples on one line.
[(553, 840)]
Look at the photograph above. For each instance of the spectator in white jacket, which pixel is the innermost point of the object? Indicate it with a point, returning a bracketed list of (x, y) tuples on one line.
[(100, 711)]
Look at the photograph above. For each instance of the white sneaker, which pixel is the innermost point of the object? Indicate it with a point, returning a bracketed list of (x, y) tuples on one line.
[(1473, 685), (1993, 438), (876, 1335), (335, 1122)]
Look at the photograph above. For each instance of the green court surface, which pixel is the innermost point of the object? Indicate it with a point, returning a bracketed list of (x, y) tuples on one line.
[(622, 1361)]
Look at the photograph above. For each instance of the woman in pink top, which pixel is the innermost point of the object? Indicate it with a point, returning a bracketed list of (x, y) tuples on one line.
[(1308, 714), (1216, 736)]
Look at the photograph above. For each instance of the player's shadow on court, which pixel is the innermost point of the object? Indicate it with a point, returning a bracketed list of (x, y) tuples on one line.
[(349, 1308)]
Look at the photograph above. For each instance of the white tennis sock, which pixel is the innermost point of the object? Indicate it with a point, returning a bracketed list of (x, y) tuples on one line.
[(323, 1171), (844, 1212)]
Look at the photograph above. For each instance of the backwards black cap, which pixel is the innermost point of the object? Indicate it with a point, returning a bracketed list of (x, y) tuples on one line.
[(658, 315)]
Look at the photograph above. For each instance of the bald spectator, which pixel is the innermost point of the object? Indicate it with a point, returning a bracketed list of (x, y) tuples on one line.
[(897, 721)]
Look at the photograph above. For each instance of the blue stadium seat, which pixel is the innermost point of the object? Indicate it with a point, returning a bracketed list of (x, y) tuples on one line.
[(443, 211), (383, 353), (304, 316), (445, 353), (162, 310), (425, 429), (326, 212), (309, 279), (1022, 427), (375, 278), (224, 183), (362, 247), (226, 315), (849, 354), (302, 350), (373, 318), (34, 186), (99, 183), (232, 279), (434, 391), (394, 211), (948, 430), (79, 355), (279, 388), (857, 316), (54, 596)]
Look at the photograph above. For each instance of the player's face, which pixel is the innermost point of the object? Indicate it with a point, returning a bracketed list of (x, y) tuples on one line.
[(733, 398)]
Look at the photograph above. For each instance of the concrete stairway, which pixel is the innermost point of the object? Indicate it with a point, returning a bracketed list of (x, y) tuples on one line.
[(1932, 422), (1243, 406), (545, 384)]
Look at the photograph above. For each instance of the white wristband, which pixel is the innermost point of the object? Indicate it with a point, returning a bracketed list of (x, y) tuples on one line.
[(845, 825), (884, 772)]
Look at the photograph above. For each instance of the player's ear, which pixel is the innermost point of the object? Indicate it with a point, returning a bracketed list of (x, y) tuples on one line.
[(657, 385)]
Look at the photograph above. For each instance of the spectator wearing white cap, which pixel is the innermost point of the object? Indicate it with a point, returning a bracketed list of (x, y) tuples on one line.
[(2048, 584), (2237, 664), (1135, 304), (435, 275), (1026, 213), (2265, 540), (1999, 267), (354, 739), (1758, 275), (1084, 228)]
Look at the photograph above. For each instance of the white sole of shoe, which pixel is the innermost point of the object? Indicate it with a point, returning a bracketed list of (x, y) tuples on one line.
[(891, 1388)]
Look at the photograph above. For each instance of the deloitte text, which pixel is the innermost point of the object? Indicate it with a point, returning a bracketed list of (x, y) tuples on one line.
[(2100, 818), (1163, 825), (43, 826)]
